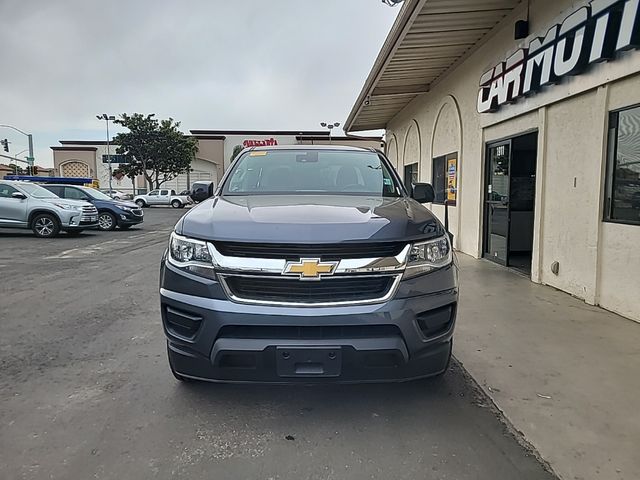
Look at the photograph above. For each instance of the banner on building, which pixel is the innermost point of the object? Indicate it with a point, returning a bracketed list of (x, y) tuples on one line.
[(452, 176)]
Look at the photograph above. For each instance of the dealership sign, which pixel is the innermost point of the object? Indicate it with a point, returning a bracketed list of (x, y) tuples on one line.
[(591, 34), (260, 143)]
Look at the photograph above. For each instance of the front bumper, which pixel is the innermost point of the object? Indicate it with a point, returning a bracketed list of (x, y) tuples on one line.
[(212, 338), (129, 218), (74, 220)]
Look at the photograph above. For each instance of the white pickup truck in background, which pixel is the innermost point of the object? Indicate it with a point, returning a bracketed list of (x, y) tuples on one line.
[(162, 197)]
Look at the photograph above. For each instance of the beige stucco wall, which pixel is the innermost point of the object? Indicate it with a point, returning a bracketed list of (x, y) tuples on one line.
[(446, 131), (572, 183), (618, 275), (412, 146), (87, 157), (211, 150), (392, 150), (597, 260)]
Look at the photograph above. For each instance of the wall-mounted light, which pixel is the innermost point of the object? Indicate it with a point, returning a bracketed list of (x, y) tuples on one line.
[(521, 29)]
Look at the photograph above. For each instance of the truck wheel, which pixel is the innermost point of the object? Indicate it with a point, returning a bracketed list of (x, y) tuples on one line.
[(176, 204), (45, 225), (106, 221), (141, 203)]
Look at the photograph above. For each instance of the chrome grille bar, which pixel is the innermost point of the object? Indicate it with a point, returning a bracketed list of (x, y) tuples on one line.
[(276, 266)]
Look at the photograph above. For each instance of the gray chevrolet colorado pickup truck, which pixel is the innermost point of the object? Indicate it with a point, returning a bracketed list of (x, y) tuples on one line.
[(309, 264)]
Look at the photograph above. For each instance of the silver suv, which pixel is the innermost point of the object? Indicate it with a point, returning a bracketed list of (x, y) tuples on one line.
[(27, 205)]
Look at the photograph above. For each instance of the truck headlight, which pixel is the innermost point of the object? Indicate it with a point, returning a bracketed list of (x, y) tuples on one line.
[(428, 256), (190, 255)]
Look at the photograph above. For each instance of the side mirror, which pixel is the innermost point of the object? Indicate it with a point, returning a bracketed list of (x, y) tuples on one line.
[(422, 192), (19, 195)]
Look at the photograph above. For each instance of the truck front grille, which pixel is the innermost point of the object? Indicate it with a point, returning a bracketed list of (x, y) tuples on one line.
[(308, 332), (287, 251), (283, 290)]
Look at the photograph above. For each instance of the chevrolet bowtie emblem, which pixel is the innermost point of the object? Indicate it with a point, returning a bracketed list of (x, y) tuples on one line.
[(309, 268)]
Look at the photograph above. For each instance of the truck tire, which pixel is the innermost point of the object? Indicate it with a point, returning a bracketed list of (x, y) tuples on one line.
[(176, 203), (45, 225), (107, 221), (141, 203)]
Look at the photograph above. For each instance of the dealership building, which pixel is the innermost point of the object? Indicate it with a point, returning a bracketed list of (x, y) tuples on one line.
[(83, 158), (525, 116)]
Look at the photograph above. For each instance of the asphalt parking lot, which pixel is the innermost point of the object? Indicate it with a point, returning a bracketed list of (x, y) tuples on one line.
[(85, 390)]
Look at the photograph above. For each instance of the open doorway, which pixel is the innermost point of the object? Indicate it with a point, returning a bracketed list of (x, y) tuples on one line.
[(510, 185)]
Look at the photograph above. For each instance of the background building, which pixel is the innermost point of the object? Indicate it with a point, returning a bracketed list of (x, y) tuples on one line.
[(6, 169), (533, 138), (215, 148)]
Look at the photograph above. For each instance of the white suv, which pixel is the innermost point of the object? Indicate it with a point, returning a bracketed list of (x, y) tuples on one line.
[(27, 205)]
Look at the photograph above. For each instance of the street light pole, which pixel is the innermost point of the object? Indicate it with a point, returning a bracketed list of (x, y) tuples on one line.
[(17, 158), (330, 126), (106, 118)]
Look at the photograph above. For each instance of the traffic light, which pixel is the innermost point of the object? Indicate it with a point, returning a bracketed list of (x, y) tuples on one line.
[(34, 170), (5, 144)]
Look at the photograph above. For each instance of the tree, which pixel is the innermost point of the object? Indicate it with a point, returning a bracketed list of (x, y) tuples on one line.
[(236, 150), (154, 148)]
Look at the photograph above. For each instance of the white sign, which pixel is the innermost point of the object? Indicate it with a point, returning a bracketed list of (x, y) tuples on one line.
[(591, 34)]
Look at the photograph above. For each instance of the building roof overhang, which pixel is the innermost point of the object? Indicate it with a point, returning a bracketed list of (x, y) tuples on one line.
[(66, 148), (209, 133), (427, 40)]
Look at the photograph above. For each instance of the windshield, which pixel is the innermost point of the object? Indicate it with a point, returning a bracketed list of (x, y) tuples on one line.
[(37, 191), (264, 172), (97, 194)]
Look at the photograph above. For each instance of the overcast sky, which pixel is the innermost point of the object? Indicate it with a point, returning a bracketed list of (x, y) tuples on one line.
[(212, 64)]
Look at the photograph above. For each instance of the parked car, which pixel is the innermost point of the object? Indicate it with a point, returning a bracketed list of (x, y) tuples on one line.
[(27, 205), (111, 213), (314, 264), (117, 194), (200, 191), (162, 197)]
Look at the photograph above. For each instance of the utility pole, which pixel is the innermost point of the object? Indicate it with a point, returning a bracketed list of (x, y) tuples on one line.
[(106, 118), (30, 158)]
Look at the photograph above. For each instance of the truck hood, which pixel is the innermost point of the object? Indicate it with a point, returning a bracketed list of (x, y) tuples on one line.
[(309, 219)]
